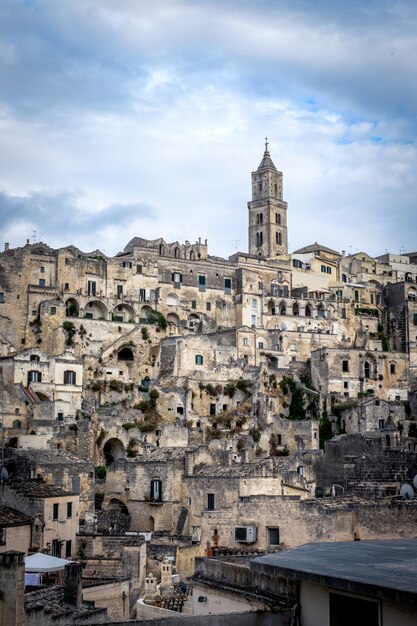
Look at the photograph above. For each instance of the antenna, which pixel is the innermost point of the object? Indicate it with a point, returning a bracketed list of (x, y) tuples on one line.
[(34, 235), (236, 242), (407, 491)]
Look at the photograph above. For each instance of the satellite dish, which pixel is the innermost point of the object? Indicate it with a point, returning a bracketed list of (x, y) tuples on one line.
[(283, 326), (415, 481), (407, 492), (4, 473)]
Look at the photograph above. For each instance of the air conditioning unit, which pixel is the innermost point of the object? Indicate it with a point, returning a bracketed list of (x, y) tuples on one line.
[(245, 534)]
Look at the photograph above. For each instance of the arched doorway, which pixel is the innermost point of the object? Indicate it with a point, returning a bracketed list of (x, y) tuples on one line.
[(72, 308), (118, 516), (113, 450), (125, 354)]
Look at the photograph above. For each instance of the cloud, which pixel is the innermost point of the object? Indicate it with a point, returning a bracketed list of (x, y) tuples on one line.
[(139, 118)]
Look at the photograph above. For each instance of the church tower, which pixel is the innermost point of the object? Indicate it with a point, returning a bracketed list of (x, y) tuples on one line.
[(267, 211)]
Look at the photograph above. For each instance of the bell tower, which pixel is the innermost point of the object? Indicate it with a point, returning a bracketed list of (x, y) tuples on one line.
[(267, 211)]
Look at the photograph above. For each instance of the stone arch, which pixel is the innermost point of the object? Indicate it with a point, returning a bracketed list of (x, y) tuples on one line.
[(42, 397), (96, 309), (271, 307), (72, 307), (151, 523), (113, 450), (176, 252), (125, 354), (193, 321), (295, 309), (145, 314), (173, 319), (117, 515), (321, 313), (282, 308), (123, 313), (308, 310), (173, 299)]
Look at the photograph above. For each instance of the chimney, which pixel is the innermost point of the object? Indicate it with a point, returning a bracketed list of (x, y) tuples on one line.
[(6, 247), (343, 253), (72, 584), (12, 588), (27, 242)]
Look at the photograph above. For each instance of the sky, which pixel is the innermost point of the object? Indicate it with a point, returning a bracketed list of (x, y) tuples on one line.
[(146, 118)]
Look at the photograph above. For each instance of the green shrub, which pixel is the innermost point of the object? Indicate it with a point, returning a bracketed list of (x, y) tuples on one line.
[(100, 471), (145, 333), (70, 331)]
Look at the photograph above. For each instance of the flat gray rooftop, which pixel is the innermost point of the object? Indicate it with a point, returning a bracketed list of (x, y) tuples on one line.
[(384, 564)]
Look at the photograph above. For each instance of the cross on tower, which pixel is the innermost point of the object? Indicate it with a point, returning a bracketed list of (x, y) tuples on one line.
[(266, 144)]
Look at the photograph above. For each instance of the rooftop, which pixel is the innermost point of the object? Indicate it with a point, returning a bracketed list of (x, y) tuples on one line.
[(11, 517), (385, 565), (316, 247), (35, 489)]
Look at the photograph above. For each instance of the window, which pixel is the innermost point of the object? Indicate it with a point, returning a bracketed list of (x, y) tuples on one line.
[(68, 548), (415, 319), (199, 359), (345, 365), (56, 548), (34, 358), (329, 270), (372, 298), (300, 470), (193, 304), (348, 609), (53, 310), (127, 264), (69, 509), (17, 424), (393, 368), (180, 410), (253, 320), (42, 270), (345, 384), (273, 536), (323, 269), (91, 287), (156, 490), (60, 417), (177, 279), (142, 295), (277, 218), (343, 314), (367, 369), (1, 297), (41, 282), (208, 306), (34, 376), (278, 238), (381, 424), (356, 295), (228, 285), (260, 345), (202, 283), (119, 291), (254, 303), (55, 511), (66, 286), (344, 278), (69, 377), (210, 501), (212, 409), (138, 269), (245, 341)]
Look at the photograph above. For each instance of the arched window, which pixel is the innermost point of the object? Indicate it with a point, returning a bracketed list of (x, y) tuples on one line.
[(278, 238), (367, 369), (277, 217), (177, 253), (276, 189), (261, 218), (261, 238), (257, 218), (344, 278), (282, 309), (199, 359), (17, 424), (308, 310), (260, 187), (161, 249), (295, 309)]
